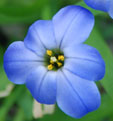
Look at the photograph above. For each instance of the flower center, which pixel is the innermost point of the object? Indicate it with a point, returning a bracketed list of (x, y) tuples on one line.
[(54, 59)]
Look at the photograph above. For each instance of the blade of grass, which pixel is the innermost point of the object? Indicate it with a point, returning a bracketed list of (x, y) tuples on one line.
[(9, 101)]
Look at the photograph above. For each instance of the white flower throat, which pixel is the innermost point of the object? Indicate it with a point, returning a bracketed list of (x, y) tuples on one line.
[(53, 59)]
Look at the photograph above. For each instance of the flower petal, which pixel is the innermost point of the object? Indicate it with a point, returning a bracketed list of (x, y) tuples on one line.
[(42, 85), (72, 24), (84, 61), (111, 9), (102, 5), (40, 37), (19, 62), (83, 51), (76, 96)]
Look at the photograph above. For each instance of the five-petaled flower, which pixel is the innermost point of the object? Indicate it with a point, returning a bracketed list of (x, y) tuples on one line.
[(103, 5), (54, 63)]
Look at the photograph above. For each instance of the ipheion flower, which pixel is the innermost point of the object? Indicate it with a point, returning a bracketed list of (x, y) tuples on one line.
[(54, 63), (103, 5)]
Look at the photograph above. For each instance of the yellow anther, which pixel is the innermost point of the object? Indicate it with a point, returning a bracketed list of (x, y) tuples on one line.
[(50, 67), (51, 61), (49, 52), (59, 64), (61, 57)]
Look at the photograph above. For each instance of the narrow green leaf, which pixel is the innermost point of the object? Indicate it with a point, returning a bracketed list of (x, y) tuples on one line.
[(9, 101), (3, 78), (26, 103), (19, 116)]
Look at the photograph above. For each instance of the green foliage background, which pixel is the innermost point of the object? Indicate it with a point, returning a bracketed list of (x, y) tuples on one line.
[(15, 18)]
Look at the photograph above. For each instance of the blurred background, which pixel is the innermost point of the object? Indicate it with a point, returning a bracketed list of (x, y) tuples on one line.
[(16, 103)]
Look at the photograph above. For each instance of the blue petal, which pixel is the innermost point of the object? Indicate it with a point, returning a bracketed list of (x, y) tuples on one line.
[(102, 5), (72, 24), (42, 85), (85, 62), (76, 96), (19, 62), (111, 9), (40, 37)]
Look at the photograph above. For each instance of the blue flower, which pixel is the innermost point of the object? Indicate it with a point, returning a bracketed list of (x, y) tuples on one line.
[(103, 5), (54, 63)]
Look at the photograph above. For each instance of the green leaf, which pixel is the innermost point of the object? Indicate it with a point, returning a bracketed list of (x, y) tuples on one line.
[(9, 101), (46, 13), (16, 12), (3, 78), (19, 116), (26, 103), (97, 41)]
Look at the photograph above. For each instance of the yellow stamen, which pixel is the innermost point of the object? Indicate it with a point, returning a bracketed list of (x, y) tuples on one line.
[(61, 57), (50, 67), (49, 52), (51, 61), (59, 64)]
